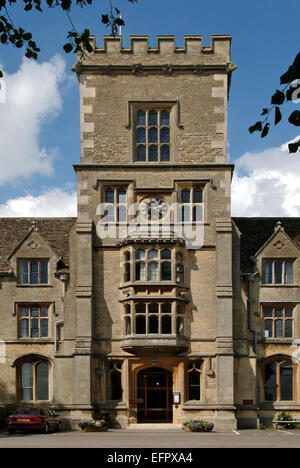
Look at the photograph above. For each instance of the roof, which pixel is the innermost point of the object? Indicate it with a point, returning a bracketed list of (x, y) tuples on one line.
[(55, 231), (255, 232)]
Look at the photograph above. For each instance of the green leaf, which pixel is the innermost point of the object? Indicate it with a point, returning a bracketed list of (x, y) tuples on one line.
[(68, 47), (105, 19), (278, 98), (256, 127), (264, 111), (265, 130), (278, 115), (1, 74), (294, 118), (293, 147)]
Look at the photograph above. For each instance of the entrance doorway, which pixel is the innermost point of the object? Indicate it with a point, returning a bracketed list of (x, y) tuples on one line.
[(154, 392)]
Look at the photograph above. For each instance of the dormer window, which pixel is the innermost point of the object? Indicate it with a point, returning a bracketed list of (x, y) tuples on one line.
[(33, 272), (278, 271)]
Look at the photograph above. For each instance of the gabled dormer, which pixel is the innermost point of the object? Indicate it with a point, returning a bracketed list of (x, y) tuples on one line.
[(277, 259)]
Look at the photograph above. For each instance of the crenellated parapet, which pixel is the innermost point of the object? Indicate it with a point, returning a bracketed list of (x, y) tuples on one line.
[(165, 57)]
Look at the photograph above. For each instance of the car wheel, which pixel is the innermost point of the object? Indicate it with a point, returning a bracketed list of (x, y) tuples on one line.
[(46, 429)]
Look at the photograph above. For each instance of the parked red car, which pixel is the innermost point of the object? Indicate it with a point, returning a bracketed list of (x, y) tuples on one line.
[(28, 418)]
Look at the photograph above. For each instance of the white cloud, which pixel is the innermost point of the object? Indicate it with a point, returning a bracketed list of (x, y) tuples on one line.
[(52, 203), (267, 184), (32, 99)]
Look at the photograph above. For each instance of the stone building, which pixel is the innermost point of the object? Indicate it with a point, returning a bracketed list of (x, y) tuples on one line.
[(153, 305)]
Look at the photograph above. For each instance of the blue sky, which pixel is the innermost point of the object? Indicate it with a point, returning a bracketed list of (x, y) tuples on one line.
[(265, 40)]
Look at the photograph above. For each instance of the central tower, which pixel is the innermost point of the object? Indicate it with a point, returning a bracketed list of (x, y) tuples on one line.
[(153, 286)]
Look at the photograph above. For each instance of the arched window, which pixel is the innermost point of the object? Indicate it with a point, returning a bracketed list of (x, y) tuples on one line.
[(278, 380), (194, 381), (34, 380), (115, 381)]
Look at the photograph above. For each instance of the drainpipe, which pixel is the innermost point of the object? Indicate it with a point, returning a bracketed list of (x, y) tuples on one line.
[(55, 333)]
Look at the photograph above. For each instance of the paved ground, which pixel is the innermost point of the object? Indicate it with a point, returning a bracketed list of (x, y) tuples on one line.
[(154, 439)]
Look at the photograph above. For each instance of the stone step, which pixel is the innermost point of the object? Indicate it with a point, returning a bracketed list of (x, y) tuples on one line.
[(154, 426)]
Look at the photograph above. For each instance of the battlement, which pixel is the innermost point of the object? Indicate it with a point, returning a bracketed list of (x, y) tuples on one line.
[(192, 52)]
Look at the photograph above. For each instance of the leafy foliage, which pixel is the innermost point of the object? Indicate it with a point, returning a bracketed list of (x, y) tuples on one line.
[(290, 92), (78, 42), (196, 425)]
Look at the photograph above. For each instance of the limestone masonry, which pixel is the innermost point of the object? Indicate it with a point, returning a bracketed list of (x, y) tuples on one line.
[(154, 304)]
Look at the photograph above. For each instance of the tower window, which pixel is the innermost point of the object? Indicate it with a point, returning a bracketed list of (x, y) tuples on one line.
[(152, 135)]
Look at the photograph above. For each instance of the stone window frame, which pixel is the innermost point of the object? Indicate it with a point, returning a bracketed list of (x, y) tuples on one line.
[(157, 327), (190, 206), (194, 366), (30, 262), (115, 205), (173, 108), (39, 306), (278, 361), (272, 278), (130, 263), (34, 360), (275, 317), (115, 368)]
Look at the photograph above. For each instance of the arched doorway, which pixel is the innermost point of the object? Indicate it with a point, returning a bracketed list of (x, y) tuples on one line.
[(154, 391)]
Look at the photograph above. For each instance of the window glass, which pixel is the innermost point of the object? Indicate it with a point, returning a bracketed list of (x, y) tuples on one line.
[(152, 135), (44, 272), (165, 153), (152, 117), (141, 118), (141, 135), (115, 385), (194, 385), (286, 382), (288, 328), (166, 254), (153, 271), (42, 381), (153, 308), (153, 153), (165, 118), (122, 196), (269, 328), (164, 135), (185, 196), (278, 328), (153, 324), (166, 325), (166, 272), (24, 272), (140, 271), (197, 213), (34, 272), (288, 272), (140, 324), (268, 276), (197, 196), (27, 381), (140, 254), (278, 272), (270, 382), (109, 195), (141, 153)]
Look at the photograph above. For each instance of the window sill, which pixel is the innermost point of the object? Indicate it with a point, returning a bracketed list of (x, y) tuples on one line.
[(281, 340), (279, 285), (34, 286)]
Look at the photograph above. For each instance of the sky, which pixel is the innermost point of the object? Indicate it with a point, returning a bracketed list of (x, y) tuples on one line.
[(39, 100)]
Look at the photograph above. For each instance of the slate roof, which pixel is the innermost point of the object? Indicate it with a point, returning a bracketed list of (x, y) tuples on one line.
[(55, 231), (256, 231)]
